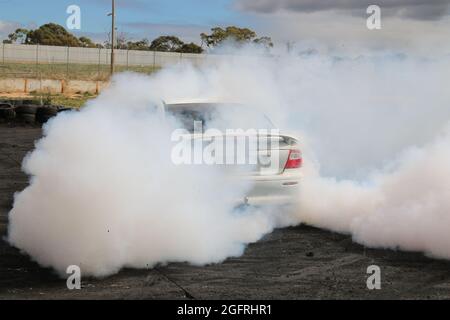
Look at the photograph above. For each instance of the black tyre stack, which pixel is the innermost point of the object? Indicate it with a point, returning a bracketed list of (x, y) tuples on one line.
[(44, 113), (26, 113), (7, 113)]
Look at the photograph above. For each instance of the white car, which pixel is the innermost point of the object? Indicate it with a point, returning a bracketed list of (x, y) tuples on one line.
[(275, 185)]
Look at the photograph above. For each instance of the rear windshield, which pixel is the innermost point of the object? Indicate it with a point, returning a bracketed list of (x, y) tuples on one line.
[(219, 116)]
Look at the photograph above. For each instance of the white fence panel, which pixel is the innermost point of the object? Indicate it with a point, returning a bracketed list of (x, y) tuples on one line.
[(75, 55)]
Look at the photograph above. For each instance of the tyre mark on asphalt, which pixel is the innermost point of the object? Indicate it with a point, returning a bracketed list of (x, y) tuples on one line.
[(427, 282), (186, 293), (5, 155), (329, 266)]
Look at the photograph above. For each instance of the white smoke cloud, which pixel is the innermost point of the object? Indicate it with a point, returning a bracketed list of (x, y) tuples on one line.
[(104, 194), (407, 208)]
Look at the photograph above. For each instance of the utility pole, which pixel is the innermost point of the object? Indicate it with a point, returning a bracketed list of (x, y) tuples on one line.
[(113, 30)]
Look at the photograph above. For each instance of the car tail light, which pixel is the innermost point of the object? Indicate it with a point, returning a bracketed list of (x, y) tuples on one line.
[(294, 160)]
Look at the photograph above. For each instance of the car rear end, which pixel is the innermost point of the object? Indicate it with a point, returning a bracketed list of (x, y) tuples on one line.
[(281, 186), (276, 184)]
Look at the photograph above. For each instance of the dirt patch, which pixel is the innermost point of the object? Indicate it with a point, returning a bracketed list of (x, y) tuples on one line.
[(22, 95)]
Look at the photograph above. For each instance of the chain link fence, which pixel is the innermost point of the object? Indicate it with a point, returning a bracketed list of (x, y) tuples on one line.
[(71, 63)]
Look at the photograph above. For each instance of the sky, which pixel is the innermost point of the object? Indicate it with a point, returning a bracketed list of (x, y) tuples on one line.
[(420, 25), (137, 18)]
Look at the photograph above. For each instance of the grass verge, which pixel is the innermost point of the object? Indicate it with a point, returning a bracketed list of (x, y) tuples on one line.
[(62, 71)]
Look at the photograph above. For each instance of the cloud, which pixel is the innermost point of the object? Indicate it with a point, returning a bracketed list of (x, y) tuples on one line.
[(333, 32), (413, 9)]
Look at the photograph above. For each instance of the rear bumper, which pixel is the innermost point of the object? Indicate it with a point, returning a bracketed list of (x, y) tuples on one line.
[(282, 189)]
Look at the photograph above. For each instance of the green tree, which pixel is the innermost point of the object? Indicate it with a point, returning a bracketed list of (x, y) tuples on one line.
[(143, 44), (166, 44), (52, 34), (266, 42), (86, 42), (240, 35), (20, 36), (191, 48)]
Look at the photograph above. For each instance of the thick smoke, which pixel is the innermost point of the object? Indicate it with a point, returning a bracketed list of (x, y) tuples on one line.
[(104, 193), (407, 208)]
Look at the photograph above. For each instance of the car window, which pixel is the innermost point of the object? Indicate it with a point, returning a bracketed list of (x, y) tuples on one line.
[(219, 116)]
